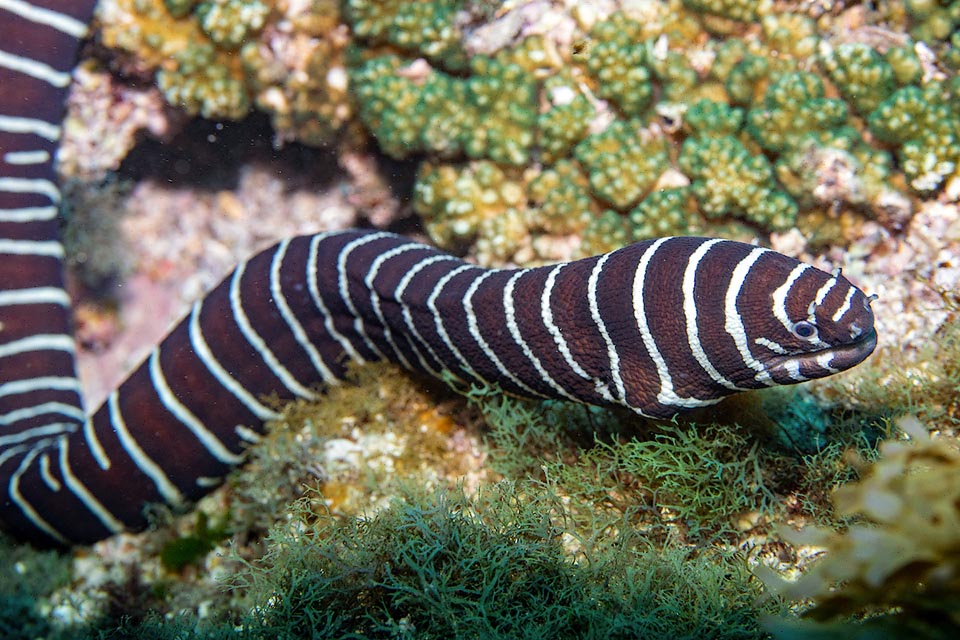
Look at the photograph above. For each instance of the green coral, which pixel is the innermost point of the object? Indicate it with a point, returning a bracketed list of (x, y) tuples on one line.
[(565, 123), (201, 85), (561, 195), (713, 119), (229, 23), (792, 33), (180, 8), (456, 201), (490, 115), (503, 98), (665, 212), (623, 162), (677, 78), (300, 79), (606, 232), (428, 29), (795, 112), (811, 135), (727, 180), (934, 20), (906, 65), (618, 61), (925, 125), (740, 10), (863, 76), (745, 77)]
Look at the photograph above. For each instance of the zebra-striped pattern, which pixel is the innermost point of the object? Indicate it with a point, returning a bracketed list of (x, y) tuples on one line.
[(660, 327)]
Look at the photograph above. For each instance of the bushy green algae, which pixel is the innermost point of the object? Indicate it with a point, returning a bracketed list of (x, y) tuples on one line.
[(26, 576), (494, 566)]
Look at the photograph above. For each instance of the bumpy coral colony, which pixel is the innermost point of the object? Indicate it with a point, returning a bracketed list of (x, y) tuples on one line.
[(660, 326)]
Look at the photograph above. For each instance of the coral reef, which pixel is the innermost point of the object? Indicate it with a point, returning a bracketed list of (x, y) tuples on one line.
[(218, 58), (728, 180), (925, 124), (620, 94), (901, 557), (828, 132)]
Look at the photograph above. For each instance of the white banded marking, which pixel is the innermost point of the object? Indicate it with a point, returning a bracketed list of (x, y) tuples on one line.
[(824, 360), (690, 315), (48, 17), (48, 248), (258, 343), (139, 457), (28, 214), (343, 286), (40, 342), (13, 490), (52, 483), (38, 156), (612, 356), (828, 286), (80, 490), (546, 316), (733, 324), (473, 325), (438, 319), (314, 288), (30, 126), (375, 297), (36, 295), (511, 316), (38, 186), (776, 347), (247, 434), (43, 431), (294, 325), (780, 296), (206, 482), (228, 382), (35, 69), (42, 383), (210, 442), (845, 306), (667, 395), (45, 408), (93, 444), (408, 316)]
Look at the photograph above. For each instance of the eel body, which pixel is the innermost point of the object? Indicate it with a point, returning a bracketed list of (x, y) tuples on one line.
[(659, 327)]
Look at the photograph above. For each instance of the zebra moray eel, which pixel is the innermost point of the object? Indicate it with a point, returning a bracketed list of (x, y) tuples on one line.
[(660, 327)]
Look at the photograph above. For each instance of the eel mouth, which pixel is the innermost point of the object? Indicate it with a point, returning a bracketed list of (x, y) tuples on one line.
[(825, 362), (852, 354)]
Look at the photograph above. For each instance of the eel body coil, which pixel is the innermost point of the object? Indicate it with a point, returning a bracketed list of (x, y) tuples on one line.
[(660, 327)]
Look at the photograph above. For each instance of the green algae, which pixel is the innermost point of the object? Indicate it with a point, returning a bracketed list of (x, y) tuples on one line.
[(445, 565)]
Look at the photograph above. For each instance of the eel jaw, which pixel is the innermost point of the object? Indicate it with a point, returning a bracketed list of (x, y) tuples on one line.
[(824, 362)]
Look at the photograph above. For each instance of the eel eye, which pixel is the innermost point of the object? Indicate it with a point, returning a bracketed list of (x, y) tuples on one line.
[(805, 330)]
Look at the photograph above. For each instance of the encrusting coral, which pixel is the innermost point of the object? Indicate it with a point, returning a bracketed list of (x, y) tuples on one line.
[(618, 96)]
